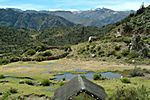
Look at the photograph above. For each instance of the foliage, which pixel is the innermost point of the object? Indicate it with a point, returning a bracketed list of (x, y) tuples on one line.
[(2, 76), (125, 80), (136, 72), (29, 82), (130, 93), (97, 77), (45, 82), (125, 52), (13, 90), (133, 54), (5, 95), (61, 83), (30, 52), (46, 53)]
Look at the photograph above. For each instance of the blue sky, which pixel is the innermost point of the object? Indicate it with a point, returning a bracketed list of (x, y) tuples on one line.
[(72, 5)]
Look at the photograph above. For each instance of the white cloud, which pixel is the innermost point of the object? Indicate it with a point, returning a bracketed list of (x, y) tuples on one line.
[(23, 7), (63, 10)]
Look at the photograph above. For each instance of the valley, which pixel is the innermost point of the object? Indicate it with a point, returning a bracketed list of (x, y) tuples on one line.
[(40, 51)]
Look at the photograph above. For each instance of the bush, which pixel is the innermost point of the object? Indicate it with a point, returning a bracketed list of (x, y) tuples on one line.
[(125, 80), (40, 48), (97, 77), (13, 90), (31, 52), (117, 48), (14, 59), (136, 72), (40, 58), (47, 53), (64, 79), (29, 82), (133, 54), (4, 61), (130, 93), (45, 82), (109, 53), (2, 76), (118, 56), (125, 53), (61, 83)]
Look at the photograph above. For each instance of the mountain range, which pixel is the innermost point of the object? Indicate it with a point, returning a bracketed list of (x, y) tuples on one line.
[(40, 20)]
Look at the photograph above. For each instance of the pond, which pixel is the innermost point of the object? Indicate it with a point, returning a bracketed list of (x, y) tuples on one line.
[(88, 75)]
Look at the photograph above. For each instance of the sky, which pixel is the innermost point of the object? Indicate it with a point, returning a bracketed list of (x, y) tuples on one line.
[(73, 5)]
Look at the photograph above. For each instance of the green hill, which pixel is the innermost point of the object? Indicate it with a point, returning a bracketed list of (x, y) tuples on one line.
[(30, 20), (127, 42)]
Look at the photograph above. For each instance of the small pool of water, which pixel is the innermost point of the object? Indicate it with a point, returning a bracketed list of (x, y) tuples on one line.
[(88, 75)]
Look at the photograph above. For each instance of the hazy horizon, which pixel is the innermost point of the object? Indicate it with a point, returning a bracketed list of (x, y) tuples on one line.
[(70, 5)]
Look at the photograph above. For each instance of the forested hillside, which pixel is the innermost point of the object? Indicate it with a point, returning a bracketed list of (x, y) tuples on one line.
[(30, 20), (128, 41), (136, 23)]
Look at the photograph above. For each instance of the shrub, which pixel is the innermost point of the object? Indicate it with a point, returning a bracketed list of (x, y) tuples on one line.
[(125, 80), (13, 90), (117, 48), (125, 53), (64, 79), (136, 72), (29, 82), (133, 54), (130, 93), (47, 53), (5, 96), (45, 82), (127, 40), (2, 76), (4, 61), (14, 59), (61, 83), (109, 53), (40, 48), (39, 58), (97, 77), (31, 52), (118, 56)]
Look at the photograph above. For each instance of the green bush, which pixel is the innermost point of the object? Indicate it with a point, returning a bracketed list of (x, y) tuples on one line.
[(4, 61), (13, 90), (40, 48), (127, 40), (14, 59), (133, 54), (125, 80), (109, 53), (136, 72), (97, 77), (45, 82), (125, 53), (31, 52), (118, 48), (130, 93), (64, 79), (118, 56), (40, 58), (61, 83), (2, 76), (29, 82), (47, 53)]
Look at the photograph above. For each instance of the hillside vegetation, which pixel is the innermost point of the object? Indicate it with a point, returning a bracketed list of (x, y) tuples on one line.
[(128, 42), (30, 20)]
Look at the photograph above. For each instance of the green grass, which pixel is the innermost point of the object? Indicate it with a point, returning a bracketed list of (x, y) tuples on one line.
[(40, 71)]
